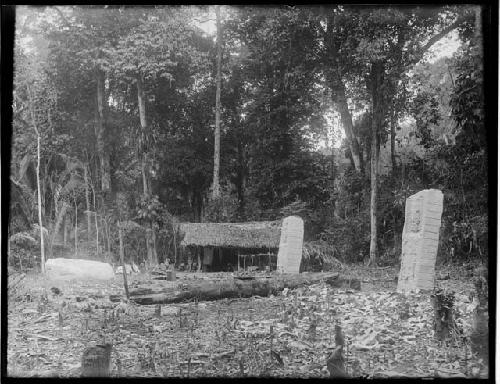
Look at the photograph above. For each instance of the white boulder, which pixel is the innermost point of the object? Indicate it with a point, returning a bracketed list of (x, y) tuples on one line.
[(78, 269)]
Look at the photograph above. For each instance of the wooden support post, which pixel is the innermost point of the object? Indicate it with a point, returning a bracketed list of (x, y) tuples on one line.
[(444, 321)]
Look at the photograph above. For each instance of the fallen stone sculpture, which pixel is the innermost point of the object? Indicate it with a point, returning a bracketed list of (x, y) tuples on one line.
[(78, 269)]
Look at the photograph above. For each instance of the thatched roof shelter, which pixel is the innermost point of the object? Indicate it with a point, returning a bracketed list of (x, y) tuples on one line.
[(257, 235)]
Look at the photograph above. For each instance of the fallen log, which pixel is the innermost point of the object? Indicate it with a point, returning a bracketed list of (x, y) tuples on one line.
[(174, 292)]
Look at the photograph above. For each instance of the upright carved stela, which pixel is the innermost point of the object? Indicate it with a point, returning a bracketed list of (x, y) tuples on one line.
[(290, 250), (420, 240)]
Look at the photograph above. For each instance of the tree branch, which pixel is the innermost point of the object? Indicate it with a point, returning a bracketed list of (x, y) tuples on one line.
[(467, 90), (434, 39), (451, 76), (18, 183), (203, 20), (62, 15)]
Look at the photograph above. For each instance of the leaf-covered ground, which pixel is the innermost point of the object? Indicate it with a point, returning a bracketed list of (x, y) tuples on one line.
[(235, 337)]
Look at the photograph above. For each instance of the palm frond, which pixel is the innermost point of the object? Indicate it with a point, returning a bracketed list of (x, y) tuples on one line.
[(320, 250), (22, 237), (23, 165)]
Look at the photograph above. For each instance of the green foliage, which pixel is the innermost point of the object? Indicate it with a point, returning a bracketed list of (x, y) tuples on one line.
[(222, 209), (347, 227), (151, 210), (302, 176), (22, 256), (24, 248), (464, 176), (278, 102), (425, 112), (467, 100), (155, 44), (281, 68), (349, 237), (352, 193), (314, 217), (433, 85)]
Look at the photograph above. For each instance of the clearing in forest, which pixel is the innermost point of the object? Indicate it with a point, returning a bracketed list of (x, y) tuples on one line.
[(288, 335)]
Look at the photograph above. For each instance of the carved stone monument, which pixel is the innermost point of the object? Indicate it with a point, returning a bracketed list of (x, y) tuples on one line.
[(290, 250), (420, 240)]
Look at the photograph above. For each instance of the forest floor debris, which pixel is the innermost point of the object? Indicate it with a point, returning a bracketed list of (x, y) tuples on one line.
[(48, 332)]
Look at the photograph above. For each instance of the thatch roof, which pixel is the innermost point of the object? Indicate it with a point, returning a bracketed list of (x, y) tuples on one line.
[(259, 234)]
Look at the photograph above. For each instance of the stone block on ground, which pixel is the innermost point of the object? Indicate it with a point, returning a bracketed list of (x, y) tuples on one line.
[(78, 269)]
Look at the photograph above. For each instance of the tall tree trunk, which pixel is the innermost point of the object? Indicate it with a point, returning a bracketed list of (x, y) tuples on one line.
[(174, 241), (38, 186), (477, 23), (241, 178), (76, 227), (150, 235), (200, 258), (65, 230), (100, 126), (59, 218), (375, 155), (144, 173), (122, 260), (43, 183), (87, 200), (332, 190), (39, 197), (340, 102), (106, 232), (393, 138), (377, 71), (216, 182), (95, 222), (141, 100), (197, 205), (339, 97), (154, 254)]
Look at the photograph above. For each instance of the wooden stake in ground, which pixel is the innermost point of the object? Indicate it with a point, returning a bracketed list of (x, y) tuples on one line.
[(216, 184), (480, 333), (442, 303), (336, 363), (339, 336), (96, 361), (271, 341)]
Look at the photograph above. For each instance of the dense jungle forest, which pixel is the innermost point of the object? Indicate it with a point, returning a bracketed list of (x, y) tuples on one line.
[(154, 116), (326, 165)]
